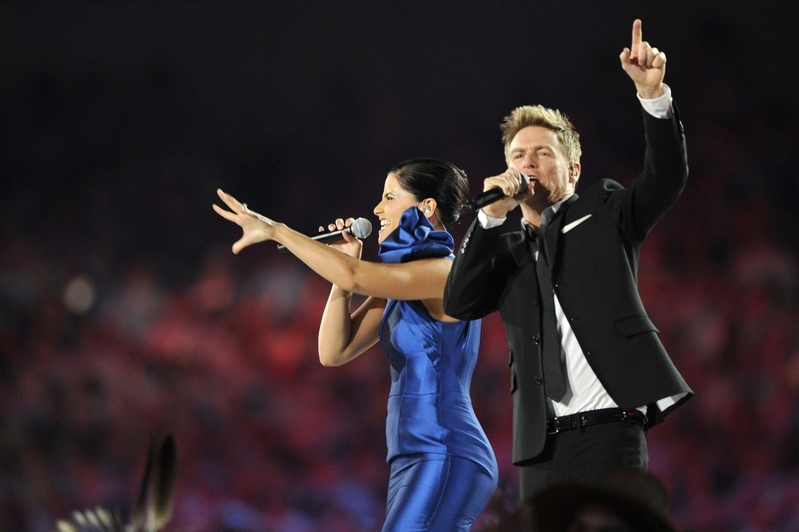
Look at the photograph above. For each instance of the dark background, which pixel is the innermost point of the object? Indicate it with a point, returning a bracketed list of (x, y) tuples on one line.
[(123, 313)]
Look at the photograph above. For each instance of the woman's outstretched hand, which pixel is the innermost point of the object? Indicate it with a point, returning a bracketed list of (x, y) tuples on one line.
[(255, 227)]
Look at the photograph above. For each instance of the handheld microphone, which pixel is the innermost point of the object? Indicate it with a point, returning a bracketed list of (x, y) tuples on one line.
[(360, 228), (489, 196)]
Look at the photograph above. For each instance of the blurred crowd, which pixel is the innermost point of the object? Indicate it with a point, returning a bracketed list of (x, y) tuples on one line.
[(124, 315)]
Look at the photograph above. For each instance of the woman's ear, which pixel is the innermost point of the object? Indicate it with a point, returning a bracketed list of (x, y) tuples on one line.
[(428, 206)]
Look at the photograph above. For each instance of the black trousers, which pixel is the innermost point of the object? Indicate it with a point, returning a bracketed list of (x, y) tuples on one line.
[(587, 455)]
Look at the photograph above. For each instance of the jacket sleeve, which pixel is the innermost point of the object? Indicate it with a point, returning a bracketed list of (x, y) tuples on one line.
[(473, 288), (657, 187)]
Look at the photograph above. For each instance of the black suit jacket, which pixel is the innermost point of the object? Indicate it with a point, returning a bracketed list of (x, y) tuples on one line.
[(593, 245)]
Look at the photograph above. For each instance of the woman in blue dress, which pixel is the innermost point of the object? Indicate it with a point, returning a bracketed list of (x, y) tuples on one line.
[(443, 469)]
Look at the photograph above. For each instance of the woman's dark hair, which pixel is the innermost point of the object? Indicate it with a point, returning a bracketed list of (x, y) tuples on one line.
[(425, 177)]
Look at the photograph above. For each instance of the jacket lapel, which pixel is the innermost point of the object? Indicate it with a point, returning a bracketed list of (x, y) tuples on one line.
[(518, 247)]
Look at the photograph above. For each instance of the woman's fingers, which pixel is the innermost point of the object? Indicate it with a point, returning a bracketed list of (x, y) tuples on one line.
[(227, 215), (240, 244), (230, 201), (339, 224)]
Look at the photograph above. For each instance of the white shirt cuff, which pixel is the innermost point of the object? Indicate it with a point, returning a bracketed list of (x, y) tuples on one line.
[(659, 107), (488, 222)]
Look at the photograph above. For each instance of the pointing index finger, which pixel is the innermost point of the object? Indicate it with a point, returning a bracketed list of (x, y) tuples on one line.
[(637, 35)]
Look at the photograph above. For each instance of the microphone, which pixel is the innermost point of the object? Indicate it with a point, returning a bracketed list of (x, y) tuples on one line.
[(489, 196), (360, 228)]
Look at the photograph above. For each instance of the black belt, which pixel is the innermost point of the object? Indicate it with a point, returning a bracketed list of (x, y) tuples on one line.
[(595, 417)]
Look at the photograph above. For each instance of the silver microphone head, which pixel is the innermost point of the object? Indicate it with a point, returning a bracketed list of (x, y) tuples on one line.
[(361, 228)]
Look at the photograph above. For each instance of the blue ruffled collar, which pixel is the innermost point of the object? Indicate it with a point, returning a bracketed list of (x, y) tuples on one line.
[(415, 238)]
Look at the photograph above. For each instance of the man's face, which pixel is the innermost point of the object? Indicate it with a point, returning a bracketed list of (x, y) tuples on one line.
[(536, 152)]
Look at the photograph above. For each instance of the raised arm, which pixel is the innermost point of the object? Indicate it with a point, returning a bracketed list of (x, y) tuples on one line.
[(654, 191)]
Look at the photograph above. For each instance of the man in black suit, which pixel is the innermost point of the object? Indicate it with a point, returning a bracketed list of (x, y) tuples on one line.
[(589, 374)]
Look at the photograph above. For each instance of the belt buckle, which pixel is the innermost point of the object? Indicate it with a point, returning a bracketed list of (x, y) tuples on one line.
[(559, 422), (554, 424)]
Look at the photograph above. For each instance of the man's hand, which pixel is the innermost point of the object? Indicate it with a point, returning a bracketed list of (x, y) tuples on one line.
[(645, 65), (510, 183)]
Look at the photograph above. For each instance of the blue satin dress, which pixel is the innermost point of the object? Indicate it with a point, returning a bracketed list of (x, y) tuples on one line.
[(443, 469)]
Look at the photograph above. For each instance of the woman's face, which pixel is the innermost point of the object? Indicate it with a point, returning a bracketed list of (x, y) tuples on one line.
[(395, 201)]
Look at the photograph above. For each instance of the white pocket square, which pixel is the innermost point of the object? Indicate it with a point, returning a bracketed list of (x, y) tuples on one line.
[(575, 223)]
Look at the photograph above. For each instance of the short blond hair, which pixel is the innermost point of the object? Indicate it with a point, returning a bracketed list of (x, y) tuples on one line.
[(538, 115)]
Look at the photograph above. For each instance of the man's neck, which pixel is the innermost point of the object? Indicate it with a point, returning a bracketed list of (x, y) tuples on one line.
[(533, 214)]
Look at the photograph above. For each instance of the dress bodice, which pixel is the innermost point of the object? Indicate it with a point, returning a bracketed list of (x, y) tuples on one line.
[(429, 405)]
